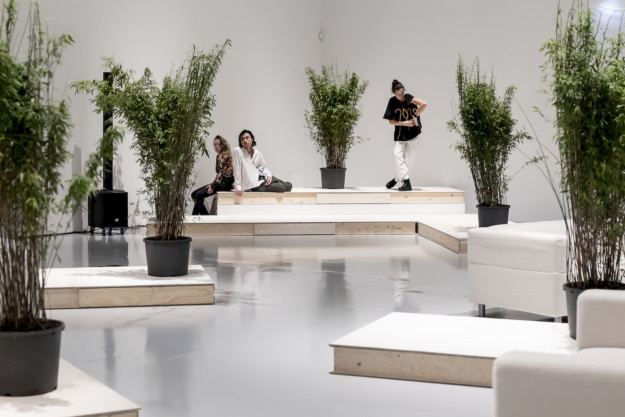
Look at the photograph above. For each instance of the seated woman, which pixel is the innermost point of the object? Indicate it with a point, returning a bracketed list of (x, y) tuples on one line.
[(250, 172), (222, 182)]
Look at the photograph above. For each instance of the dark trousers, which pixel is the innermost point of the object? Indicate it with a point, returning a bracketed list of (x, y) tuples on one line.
[(201, 193), (276, 186)]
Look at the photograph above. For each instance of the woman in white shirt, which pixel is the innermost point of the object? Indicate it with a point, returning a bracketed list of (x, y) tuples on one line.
[(250, 172)]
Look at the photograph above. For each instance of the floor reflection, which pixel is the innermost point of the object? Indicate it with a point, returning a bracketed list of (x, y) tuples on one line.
[(107, 250), (262, 349)]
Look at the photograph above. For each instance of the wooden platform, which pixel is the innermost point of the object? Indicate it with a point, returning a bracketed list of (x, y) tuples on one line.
[(125, 287), (348, 201), (449, 230), (78, 395), (447, 349), (263, 225)]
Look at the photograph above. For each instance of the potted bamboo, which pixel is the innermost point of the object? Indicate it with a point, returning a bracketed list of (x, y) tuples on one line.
[(488, 137), (333, 116), (586, 77), (34, 131), (169, 124)]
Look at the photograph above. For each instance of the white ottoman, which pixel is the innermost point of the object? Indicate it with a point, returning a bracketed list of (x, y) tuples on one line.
[(520, 266)]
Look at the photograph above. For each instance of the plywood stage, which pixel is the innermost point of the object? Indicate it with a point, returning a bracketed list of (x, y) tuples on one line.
[(78, 395), (446, 349), (126, 287)]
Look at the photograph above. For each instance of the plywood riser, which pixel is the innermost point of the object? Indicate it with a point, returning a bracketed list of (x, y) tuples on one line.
[(265, 229), (414, 366), (58, 298), (445, 240)]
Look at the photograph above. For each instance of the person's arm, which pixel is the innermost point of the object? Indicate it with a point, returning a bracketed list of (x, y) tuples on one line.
[(237, 167), (421, 104), (219, 168), (404, 123), (262, 168)]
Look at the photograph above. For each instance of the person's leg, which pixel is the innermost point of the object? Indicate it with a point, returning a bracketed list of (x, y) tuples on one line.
[(401, 169), (287, 185), (276, 186), (225, 185), (213, 211), (198, 197), (410, 152)]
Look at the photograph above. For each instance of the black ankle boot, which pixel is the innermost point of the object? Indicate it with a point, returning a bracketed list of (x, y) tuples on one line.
[(405, 186), (391, 184)]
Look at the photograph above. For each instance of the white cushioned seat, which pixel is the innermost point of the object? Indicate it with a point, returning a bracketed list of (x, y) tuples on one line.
[(521, 266), (587, 383)]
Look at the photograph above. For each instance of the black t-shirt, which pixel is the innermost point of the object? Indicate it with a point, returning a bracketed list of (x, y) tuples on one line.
[(402, 111)]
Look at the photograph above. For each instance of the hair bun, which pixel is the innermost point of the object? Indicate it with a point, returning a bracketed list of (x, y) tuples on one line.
[(396, 86)]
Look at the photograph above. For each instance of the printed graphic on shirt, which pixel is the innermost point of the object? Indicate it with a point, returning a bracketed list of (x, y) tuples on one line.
[(402, 111)]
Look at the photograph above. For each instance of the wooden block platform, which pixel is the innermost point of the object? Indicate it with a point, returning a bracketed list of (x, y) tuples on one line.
[(78, 395), (263, 225), (449, 230), (447, 349), (348, 201), (126, 287)]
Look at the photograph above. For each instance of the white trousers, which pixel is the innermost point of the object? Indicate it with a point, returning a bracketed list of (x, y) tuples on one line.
[(404, 152)]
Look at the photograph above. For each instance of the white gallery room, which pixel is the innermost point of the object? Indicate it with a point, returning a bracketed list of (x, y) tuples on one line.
[(312, 208)]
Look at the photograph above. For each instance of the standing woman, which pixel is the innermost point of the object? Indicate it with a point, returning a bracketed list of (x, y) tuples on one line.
[(403, 112), (222, 182)]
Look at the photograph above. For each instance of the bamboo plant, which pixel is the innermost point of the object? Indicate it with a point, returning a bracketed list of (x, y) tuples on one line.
[(487, 129), (586, 74), (334, 100), (169, 124), (34, 131)]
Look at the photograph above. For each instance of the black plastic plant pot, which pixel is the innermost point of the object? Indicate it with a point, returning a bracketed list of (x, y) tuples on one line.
[(29, 361), (572, 294), (491, 216), (167, 258), (333, 178)]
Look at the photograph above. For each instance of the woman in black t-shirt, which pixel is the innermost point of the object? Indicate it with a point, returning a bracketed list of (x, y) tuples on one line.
[(403, 112)]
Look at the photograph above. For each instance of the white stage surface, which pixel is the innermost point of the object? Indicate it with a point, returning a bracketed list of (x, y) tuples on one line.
[(126, 287), (447, 349), (436, 213), (78, 395)]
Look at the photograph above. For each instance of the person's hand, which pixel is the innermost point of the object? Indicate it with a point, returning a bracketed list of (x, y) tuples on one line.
[(210, 189), (415, 121), (409, 122), (239, 193), (268, 180)]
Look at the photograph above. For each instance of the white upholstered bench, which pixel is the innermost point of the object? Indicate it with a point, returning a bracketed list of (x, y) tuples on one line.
[(520, 266), (587, 383)]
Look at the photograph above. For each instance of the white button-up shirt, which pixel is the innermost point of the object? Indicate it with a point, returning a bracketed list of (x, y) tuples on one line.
[(248, 168)]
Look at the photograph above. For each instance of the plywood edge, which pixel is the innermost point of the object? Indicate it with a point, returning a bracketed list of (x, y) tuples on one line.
[(450, 242), (427, 198), (294, 228), (146, 296), (251, 198), (218, 229), (375, 228), (57, 298), (413, 366)]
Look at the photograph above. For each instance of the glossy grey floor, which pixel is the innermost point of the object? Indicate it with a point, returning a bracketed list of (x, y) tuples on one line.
[(262, 349)]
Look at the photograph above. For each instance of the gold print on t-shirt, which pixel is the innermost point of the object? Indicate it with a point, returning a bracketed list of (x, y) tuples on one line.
[(404, 114)]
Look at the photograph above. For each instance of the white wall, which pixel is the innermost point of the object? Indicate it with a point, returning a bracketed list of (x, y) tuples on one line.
[(262, 86), (418, 42)]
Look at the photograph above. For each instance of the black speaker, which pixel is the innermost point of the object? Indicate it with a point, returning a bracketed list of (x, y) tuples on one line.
[(108, 209)]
